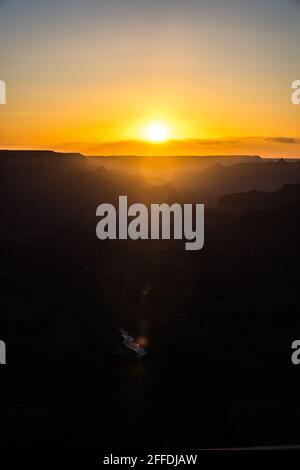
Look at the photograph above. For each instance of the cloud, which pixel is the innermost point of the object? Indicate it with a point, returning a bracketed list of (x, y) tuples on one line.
[(213, 146), (282, 140)]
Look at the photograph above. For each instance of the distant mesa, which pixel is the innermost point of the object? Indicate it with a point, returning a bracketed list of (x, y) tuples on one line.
[(259, 200), (38, 154)]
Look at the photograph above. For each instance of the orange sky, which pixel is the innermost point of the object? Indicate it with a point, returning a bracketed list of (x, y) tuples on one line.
[(90, 78)]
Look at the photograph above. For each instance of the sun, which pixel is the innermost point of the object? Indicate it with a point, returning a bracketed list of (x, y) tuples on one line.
[(156, 132)]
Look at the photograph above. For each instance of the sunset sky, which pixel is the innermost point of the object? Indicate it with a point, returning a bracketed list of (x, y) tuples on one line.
[(94, 76)]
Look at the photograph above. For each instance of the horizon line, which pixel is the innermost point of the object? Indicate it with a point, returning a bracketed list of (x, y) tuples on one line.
[(43, 150), (237, 155)]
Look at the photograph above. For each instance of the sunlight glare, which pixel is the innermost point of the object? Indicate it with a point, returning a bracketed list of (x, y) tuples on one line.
[(156, 132)]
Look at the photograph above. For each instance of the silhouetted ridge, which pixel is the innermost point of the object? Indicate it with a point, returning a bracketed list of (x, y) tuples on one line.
[(38, 154), (259, 200)]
